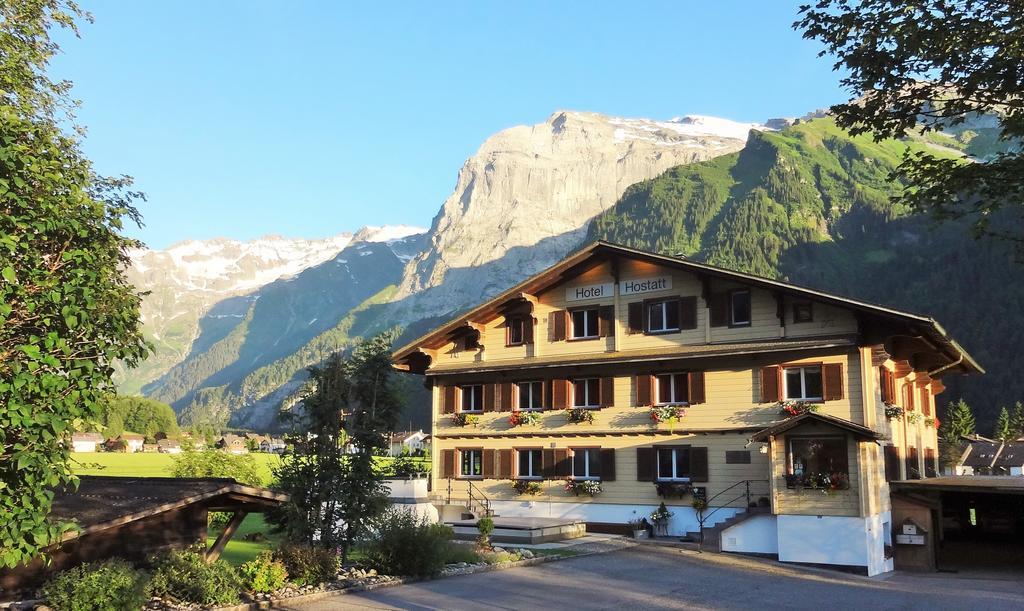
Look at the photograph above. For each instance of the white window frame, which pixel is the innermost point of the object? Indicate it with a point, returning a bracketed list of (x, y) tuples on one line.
[(589, 453), (663, 304), (674, 378), (803, 382), (476, 409), (536, 403), (674, 477), (479, 460), (512, 322), (732, 308), (596, 400), (587, 313), (536, 461)]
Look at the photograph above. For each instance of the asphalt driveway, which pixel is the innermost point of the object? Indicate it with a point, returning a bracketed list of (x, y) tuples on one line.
[(668, 578)]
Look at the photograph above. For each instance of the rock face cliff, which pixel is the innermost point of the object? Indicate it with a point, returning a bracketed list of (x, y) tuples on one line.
[(524, 199)]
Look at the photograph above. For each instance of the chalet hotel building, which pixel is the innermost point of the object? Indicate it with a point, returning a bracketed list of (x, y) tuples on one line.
[(618, 379)]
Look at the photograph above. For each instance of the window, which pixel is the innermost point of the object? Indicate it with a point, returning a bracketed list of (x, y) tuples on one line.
[(531, 395), (529, 463), (472, 398), (471, 463), (515, 329), (586, 463), (739, 308), (586, 392), (803, 311), (673, 388), (802, 383), (813, 456), (674, 464), (584, 323), (663, 316)]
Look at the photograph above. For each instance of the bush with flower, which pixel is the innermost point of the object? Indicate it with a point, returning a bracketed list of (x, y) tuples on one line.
[(590, 487), (463, 419), (526, 487), (579, 415), (521, 418), (932, 422), (828, 483), (893, 411), (669, 414), (913, 417), (791, 408)]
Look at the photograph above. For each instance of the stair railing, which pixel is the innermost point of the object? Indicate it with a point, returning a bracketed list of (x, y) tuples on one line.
[(477, 497), (744, 493)]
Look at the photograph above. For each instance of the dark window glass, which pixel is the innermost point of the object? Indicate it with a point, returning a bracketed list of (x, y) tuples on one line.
[(585, 462), (472, 398), (530, 395), (673, 463), (819, 455), (739, 310), (656, 316), (803, 383), (673, 388), (584, 323), (515, 331), (586, 392), (529, 463), (663, 316), (803, 311), (472, 463)]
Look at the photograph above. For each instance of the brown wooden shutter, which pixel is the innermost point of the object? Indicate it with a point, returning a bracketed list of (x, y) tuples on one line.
[(506, 397), (644, 385), (563, 465), (490, 402), (529, 322), (832, 381), (929, 463), (636, 318), (718, 303), (606, 321), (556, 325), (688, 313), (607, 398), (696, 387), (771, 390), (447, 463), (645, 464), (883, 385), (892, 463), (547, 464), (698, 464), (488, 468), (448, 400), (559, 394), (607, 467), (504, 468)]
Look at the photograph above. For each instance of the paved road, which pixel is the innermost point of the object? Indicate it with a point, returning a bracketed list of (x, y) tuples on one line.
[(668, 578)]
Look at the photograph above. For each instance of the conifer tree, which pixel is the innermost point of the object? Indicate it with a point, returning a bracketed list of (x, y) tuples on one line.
[(959, 423), (1002, 430), (1017, 421)]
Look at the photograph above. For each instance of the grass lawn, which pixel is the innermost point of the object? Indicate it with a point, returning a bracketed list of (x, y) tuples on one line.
[(239, 551), (147, 465)]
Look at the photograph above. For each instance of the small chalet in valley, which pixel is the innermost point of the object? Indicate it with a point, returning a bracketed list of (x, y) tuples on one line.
[(408, 441), (233, 444), (85, 442), (273, 445), (618, 379), (127, 442), (169, 446)]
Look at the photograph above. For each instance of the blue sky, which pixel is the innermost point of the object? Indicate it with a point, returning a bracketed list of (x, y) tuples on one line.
[(307, 119)]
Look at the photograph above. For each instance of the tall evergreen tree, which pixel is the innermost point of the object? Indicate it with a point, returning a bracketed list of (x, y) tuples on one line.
[(959, 423), (1002, 430), (1017, 421), (333, 495)]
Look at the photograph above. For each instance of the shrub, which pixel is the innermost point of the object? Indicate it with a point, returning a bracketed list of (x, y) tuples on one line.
[(458, 552), (184, 575), (110, 585), (218, 520), (405, 466), (308, 565), (263, 573), (407, 545), (486, 527)]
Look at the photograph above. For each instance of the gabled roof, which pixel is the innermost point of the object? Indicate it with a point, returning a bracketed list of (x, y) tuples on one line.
[(1012, 455), (981, 454), (861, 432), (93, 437), (600, 250)]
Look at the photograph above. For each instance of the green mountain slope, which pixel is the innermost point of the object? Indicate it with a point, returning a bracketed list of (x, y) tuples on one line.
[(811, 205)]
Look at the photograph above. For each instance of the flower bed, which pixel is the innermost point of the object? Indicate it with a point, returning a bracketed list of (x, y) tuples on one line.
[(463, 419), (589, 487), (791, 408), (521, 418), (579, 415)]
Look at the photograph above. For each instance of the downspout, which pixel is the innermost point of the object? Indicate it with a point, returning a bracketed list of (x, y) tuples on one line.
[(947, 367)]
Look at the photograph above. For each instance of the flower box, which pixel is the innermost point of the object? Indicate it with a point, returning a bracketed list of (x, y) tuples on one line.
[(579, 415), (828, 483), (463, 419), (791, 408), (525, 487), (520, 418), (893, 412), (913, 417), (670, 414), (673, 490), (589, 487)]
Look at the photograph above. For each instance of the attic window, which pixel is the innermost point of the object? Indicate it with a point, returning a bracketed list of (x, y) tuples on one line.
[(739, 308), (803, 311), (515, 331)]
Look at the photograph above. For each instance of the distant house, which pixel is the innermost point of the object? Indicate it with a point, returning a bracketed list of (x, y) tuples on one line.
[(132, 442), (169, 446), (411, 441), (232, 444), (85, 442), (989, 457), (150, 447), (273, 445), (256, 439), (1011, 459)]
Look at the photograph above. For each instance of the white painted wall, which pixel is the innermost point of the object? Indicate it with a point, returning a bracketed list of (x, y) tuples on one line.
[(83, 446), (755, 535), (411, 495), (684, 520), (838, 540)]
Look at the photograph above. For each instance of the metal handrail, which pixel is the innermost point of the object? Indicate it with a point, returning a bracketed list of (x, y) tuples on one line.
[(745, 494), (485, 502)]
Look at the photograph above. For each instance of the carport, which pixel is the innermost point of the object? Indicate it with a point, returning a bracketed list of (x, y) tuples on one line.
[(975, 524)]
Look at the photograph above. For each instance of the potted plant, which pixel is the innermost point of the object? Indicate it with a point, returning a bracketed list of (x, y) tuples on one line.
[(521, 418), (579, 415), (463, 419), (639, 528), (660, 518), (791, 408), (670, 414), (590, 487), (893, 411), (525, 487), (932, 422), (913, 417), (673, 490)]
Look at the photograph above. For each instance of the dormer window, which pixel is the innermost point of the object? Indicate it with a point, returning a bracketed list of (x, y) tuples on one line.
[(803, 312), (515, 331), (739, 308)]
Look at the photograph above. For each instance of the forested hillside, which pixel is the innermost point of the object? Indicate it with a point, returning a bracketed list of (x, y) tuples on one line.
[(811, 205)]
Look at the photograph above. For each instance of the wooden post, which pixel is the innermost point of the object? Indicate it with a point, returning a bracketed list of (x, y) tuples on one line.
[(214, 552)]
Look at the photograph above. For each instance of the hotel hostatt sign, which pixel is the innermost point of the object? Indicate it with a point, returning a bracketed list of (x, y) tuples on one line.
[(633, 286)]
